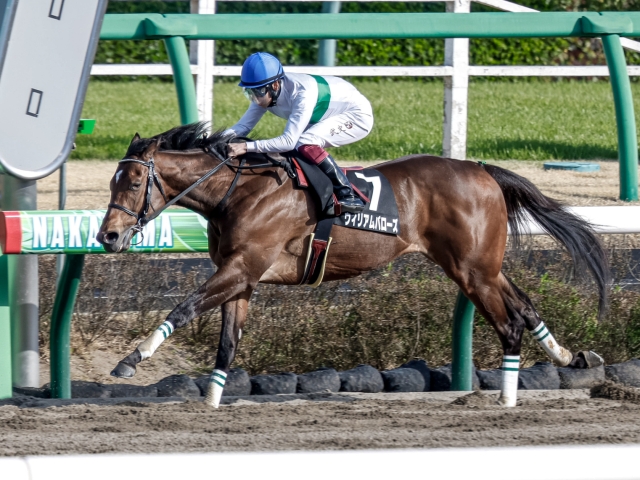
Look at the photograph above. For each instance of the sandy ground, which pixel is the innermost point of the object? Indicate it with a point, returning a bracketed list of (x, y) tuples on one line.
[(88, 184), (316, 422)]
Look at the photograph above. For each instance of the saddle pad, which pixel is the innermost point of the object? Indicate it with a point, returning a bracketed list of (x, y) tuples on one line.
[(318, 184), (381, 212)]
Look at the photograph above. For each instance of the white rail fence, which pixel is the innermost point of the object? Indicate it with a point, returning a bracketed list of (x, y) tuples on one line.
[(592, 462), (455, 71), (616, 219)]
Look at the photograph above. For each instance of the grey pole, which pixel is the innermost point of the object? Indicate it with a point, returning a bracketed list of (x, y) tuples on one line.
[(62, 200), (327, 50), (62, 191), (22, 195)]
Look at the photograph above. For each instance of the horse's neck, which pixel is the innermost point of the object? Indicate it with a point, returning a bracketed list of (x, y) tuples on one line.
[(182, 170)]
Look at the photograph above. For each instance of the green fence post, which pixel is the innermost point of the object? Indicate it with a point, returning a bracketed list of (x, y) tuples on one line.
[(61, 326), (182, 77), (6, 378), (625, 117), (327, 48), (462, 367)]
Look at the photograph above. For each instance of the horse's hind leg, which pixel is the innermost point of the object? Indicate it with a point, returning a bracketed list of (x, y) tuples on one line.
[(560, 355), (487, 292)]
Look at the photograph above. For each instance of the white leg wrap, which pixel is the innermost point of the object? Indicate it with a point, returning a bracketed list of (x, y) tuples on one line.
[(510, 368), (560, 355), (216, 385), (152, 343)]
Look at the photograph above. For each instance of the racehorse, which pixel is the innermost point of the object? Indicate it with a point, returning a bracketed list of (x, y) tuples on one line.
[(456, 213)]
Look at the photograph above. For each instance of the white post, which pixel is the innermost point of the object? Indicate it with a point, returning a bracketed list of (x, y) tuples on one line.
[(202, 55), (456, 56)]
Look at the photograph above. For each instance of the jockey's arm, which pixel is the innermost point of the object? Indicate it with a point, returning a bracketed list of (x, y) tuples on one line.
[(249, 120), (296, 124)]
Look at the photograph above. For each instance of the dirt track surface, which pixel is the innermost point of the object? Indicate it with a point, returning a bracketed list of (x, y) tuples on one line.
[(320, 422), (88, 184)]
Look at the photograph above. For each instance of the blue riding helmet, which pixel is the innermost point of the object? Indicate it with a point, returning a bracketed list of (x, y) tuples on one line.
[(260, 69)]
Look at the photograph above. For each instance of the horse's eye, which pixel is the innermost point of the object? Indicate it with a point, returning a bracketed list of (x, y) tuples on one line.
[(135, 186)]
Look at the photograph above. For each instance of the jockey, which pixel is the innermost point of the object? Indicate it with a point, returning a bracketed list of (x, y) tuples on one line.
[(320, 111)]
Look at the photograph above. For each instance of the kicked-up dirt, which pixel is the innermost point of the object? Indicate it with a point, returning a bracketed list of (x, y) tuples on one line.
[(318, 422)]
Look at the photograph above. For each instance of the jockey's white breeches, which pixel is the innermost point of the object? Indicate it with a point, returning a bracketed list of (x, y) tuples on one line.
[(342, 129)]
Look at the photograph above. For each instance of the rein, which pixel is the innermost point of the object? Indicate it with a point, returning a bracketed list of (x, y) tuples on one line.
[(152, 177)]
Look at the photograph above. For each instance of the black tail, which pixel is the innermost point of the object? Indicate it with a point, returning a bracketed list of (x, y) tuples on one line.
[(575, 234)]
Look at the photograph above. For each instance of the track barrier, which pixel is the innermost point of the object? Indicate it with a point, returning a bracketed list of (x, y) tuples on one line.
[(605, 462)]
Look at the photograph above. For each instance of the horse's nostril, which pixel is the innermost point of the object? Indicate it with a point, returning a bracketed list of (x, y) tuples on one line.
[(110, 238)]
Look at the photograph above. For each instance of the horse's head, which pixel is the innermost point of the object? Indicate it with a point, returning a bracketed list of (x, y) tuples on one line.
[(132, 195)]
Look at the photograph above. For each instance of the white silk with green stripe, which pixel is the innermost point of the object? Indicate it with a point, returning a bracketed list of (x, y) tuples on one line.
[(306, 101), (560, 355), (324, 99), (509, 387), (216, 386), (152, 343)]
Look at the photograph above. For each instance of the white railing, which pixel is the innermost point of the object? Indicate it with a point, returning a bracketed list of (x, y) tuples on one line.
[(456, 70), (613, 219), (593, 462)]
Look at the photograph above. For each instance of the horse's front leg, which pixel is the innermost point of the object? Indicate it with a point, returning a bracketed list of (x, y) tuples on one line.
[(234, 315), (180, 316), (232, 280)]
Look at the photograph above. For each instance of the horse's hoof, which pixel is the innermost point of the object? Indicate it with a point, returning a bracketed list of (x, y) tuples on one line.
[(123, 370), (586, 359), (592, 359), (506, 402)]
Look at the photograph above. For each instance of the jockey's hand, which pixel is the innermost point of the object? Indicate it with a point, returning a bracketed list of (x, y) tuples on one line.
[(236, 149)]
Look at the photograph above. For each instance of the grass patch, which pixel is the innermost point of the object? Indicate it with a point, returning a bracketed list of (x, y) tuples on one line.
[(563, 120)]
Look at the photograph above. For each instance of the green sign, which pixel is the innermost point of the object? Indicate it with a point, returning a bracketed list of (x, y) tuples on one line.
[(74, 231)]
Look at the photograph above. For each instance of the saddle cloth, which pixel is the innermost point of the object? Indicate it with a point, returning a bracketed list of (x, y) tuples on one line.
[(381, 210)]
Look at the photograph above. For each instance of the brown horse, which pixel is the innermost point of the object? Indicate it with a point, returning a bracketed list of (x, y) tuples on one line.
[(454, 212)]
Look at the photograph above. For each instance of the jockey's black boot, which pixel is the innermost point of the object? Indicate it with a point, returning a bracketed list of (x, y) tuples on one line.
[(347, 198)]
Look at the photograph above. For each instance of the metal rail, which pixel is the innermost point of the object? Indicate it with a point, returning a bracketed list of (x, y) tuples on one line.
[(368, 25)]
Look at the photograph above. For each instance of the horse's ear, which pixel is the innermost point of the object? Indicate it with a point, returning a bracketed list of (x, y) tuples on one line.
[(152, 149), (135, 138)]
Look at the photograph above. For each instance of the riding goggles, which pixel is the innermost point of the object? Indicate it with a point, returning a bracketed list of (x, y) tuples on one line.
[(253, 94)]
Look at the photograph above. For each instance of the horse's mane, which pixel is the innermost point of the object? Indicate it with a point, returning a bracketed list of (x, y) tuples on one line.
[(185, 137)]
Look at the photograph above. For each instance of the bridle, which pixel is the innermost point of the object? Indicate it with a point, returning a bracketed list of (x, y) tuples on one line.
[(152, 177)]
